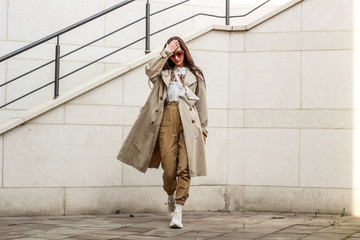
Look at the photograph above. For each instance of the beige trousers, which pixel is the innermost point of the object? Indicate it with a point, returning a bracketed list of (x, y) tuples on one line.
[(174, 160)]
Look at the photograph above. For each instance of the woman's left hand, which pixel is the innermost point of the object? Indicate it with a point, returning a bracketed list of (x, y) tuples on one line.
[(204, 139)]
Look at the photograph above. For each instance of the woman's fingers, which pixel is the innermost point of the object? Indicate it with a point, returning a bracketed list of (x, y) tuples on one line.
[(173, 45)]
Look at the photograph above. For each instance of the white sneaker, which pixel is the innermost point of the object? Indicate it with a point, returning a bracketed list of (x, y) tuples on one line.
[(176, 220)]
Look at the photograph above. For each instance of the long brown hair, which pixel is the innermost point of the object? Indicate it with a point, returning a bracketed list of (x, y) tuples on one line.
[(188, 61)]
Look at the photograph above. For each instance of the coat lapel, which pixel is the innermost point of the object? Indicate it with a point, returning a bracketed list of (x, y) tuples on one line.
[(189, 78), (166, 77)]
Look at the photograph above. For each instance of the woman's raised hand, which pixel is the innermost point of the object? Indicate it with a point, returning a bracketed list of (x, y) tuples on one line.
[(173, 45)]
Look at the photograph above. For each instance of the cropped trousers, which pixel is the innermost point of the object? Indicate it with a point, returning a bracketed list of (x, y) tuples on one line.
[(174, 159)]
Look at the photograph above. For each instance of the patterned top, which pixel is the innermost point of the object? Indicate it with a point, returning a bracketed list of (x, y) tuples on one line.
[(176, 83)]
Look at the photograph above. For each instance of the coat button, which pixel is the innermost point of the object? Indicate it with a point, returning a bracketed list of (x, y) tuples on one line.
[(161, 98), (153, 122), (156, 110), (190, 109), (193, 121)]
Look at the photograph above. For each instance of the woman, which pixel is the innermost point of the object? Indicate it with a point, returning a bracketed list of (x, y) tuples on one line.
[(170, 128)]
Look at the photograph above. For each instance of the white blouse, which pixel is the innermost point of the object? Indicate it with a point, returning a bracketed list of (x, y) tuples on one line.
[(176, 83)]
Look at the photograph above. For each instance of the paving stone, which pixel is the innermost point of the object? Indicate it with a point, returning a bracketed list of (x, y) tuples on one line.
[(241, 235), (181, 237), (138, 229), (197, 234), (338, 230), (155, 224), (167, 232), (11, 235), (325, 236), (197, 225), (308, 229), (142, 237), (283, 236), (51, 236), (96, 236), (30, 238), (224, 237)]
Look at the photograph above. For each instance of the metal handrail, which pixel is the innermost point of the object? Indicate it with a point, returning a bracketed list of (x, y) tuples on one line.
[(65, 30), (75, 50), (147, 41), (244, 15)]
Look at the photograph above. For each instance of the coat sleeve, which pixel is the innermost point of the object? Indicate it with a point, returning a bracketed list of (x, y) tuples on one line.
[(154, 67), (201, 106)]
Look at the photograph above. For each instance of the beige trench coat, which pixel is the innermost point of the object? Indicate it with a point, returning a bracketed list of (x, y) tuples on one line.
[(141, 147)]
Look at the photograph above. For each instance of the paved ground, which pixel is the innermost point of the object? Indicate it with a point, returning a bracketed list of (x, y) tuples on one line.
[(197, 226)]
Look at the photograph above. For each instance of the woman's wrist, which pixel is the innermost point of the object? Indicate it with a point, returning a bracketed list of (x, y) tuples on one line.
[(166, 52)]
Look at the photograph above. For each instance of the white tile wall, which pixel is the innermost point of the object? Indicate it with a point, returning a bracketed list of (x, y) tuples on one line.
[(79, 78), (247, 92), (132, 177), (287, 21), (236, 198), (326, 158), (318, 15), (110, 93), (44, 51), (328, 40), (31, 201), (327, 79), (273, 41), (41, 77), (317, 40), (28, 83), (299, 118), (216, 158), (265, 80), (165, 19), (100, 114), (218, 117), (263, 157), (92, 53), (62, 155), (249, 18), (56, 115), (237, 41), (3, 19), (1, 159), (204, 3), (213, 201), (52, 17), (236, 118), (136, 87), (121, 17), (215, 68), (214, 41), (2, 80), (326, 200), (106, 200), (201, 21)]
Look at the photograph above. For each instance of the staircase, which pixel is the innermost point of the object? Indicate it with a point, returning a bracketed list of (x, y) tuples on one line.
[(38, 86)]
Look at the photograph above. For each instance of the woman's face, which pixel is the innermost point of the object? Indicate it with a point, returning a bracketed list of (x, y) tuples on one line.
[(178, 57)]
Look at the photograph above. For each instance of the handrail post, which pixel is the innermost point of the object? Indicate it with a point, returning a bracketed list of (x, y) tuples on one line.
[(57, 68), (227, 18), (147, 28)]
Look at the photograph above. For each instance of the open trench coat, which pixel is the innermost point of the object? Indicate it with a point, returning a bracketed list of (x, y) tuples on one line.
[(141, 147)]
